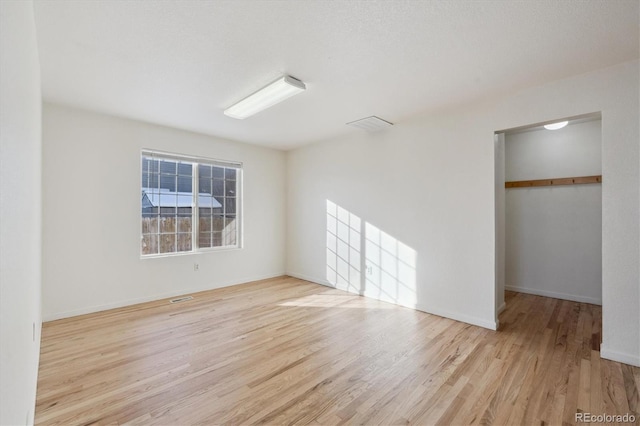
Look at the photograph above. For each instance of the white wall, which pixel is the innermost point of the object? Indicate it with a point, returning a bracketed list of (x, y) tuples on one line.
[(574, 150), (554, 233), (91, 223), (500, 222), (429, 182), (20, 213), (422, 187)]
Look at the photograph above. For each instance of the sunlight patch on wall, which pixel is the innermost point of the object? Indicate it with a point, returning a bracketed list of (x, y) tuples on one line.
[(343, 249), (390, 268), (386, 271)]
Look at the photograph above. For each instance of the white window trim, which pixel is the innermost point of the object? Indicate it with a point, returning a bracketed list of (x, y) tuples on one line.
[(195, 214)]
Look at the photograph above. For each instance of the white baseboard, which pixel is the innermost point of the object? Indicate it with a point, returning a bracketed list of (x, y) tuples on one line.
[(491, 325), (310, 279), (555, 295), (624, 358), (502, 307), (122, 303)]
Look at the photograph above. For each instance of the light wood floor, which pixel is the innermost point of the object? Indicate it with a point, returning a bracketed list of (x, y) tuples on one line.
[(286, 351)]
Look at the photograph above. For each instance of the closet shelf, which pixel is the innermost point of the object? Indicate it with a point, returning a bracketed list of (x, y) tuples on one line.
[(555, 181)]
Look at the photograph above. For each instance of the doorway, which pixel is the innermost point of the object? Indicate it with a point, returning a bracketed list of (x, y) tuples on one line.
[(549, 210)]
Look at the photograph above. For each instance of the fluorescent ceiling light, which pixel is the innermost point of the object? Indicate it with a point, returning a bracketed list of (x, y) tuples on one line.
[(556, 126), (278, 91), (371, 124)]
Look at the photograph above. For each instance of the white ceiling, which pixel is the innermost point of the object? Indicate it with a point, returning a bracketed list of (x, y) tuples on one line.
[(181, 63)]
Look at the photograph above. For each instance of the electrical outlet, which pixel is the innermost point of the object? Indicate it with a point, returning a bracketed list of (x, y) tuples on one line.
[(196, 267), (369, 269)]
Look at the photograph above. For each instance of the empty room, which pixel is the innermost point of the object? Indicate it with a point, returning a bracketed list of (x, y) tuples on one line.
[(319, 212)]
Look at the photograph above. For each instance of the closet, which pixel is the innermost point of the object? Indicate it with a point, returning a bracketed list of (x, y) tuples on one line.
[(552, 210)]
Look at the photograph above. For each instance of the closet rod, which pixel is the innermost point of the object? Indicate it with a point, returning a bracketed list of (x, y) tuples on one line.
[(554, 181)]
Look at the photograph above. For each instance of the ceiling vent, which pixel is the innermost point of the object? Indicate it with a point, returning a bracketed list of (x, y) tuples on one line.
[(371, 124)]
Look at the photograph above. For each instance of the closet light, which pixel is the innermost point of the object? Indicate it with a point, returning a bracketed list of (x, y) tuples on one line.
[(281, 89), (556, 126)]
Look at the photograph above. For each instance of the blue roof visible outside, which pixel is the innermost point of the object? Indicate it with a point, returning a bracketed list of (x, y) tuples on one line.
[(152, 198)]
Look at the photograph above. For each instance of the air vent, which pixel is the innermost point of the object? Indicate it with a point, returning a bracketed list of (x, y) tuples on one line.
[(181, 299), (371, 124)]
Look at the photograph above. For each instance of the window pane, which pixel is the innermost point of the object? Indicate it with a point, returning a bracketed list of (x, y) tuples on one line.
[(218, 187), (205, 201), (230, 231), (185, 200), (184, 212), (150, 165), (149, 225), (230, 174), (184, 224), (205, 224), (204, 185), (218, 202), (167, 199), (204, 171), (150, 212), (153, 196), (149, 244), (185, 169), (185, 184), (217, 223), (153, 224), (149, 180), (167, 212), (168, 167), (147, 203), (167, 183), (167, 243), (230, 238), (204, 239), (218, 172), (230, 205), (167, 224), (230, 188), (184, 242)]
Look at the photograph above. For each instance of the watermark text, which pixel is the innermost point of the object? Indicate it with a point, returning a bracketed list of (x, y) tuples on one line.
[(605, 418)]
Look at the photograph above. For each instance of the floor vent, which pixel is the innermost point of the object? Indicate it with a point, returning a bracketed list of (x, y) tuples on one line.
[(181, 299)]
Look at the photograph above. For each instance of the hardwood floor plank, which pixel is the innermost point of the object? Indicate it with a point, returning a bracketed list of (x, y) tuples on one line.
[(596, 402), (285, 351), (584, 392), (631, 389)]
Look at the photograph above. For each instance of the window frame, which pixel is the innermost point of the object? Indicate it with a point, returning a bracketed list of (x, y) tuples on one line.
[(195, 162)]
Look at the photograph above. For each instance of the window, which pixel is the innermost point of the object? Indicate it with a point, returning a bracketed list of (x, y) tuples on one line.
[(189, 204)]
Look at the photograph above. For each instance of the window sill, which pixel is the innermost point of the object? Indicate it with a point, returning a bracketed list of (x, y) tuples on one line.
[(187, 253)]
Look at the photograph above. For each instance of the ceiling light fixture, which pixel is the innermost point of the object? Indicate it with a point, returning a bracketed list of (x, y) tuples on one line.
[(556, 126), (371, 124), (281, 89)]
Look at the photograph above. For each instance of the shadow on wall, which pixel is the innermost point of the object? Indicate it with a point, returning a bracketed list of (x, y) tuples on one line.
[(365, 260)]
